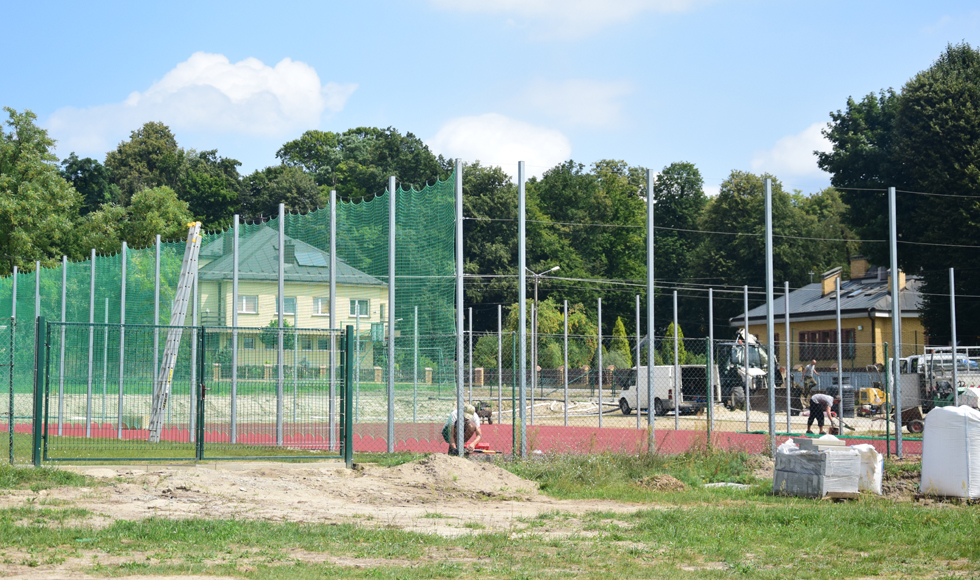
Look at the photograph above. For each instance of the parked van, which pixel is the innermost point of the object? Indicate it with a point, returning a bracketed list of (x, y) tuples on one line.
[(664, 397)]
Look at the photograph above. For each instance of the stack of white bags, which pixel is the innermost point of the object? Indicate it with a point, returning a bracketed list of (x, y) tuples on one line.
[(829, 471), (951, 453)]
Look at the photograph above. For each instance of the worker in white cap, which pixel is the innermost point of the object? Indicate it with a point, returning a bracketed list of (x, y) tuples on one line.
[(471, 429)]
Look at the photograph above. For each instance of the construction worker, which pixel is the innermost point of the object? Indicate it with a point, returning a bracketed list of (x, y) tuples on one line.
[(471, 428), (820, 404), (810, 375)]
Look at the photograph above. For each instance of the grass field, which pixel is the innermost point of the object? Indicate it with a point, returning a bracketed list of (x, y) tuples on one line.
[(694, 532)]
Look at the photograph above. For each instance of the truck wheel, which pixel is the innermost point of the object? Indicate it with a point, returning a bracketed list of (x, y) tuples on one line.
[(624, 406), (658, 408)]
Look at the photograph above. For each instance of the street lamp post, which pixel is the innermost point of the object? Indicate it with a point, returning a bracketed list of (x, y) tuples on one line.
[(534, 332)]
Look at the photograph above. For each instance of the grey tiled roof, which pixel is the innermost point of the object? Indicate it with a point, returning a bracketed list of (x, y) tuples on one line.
[(862, 296), (259, 260)]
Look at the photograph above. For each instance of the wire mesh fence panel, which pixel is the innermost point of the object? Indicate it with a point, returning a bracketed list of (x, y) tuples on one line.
[(9, 420), (88, 417), (258, 411)]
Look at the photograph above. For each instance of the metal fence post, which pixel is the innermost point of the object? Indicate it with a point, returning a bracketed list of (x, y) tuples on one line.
[(201, 390), (637, 381), (677, 371), (565, 363), (599, 381), (348, 435), (61, 347), (392, 231), (40, 380), (122, 346)]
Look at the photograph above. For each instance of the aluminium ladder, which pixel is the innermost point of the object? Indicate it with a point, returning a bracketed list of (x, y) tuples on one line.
[(185, 286)]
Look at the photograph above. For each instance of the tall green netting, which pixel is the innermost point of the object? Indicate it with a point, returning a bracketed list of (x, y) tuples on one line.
[(266, 386)]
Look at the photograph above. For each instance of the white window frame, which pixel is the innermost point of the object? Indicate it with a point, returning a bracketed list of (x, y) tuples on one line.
[(364, 312), (321, 307), (285, 306), (246, 340), (244, 301)]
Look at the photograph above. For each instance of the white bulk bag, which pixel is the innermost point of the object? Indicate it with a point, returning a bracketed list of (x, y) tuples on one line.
[(951, 452)]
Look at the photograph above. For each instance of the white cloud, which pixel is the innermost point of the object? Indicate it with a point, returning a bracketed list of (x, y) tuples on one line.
[(793, 155), (579, 101), (567, 18), (496, 140), (210, 94)]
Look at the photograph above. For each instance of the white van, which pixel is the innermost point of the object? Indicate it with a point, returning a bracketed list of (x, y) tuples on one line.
[(664, 399)]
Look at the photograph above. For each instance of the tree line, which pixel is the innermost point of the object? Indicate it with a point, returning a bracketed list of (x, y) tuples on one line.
[(587, 219)]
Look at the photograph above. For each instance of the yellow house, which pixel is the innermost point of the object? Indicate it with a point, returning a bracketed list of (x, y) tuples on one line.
[(362, 300), (865, 310)]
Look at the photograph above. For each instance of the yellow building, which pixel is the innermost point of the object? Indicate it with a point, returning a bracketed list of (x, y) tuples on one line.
[(866, 324), (362, 300)]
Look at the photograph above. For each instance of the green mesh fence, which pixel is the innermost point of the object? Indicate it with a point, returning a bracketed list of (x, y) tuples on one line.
[(117, 307)]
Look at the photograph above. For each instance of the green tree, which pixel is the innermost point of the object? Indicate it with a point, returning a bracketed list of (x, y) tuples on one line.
[(150, 158), (270, 335), (211, 186), (358, 162), (621, 345), (680, 200), (667, 346), (490, 240), (569, 211), (265, 189), (37, 206), (924, 139), (734, 254), (150, 212), (91, 180)]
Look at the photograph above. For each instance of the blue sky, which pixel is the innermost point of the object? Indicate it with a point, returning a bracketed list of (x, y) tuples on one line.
[(724, 84)]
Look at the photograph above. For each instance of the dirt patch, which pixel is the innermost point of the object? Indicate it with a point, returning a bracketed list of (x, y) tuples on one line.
[(437, 494), (899, 482), (662, 483), (762, 467)]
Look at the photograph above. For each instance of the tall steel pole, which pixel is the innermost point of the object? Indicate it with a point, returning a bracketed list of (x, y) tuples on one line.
[(952, 328), (234, 327), (678, 396), (745, 360), (459, 309), (391, 313), (280, 308), (896, 316), (770, 324), (651, 432), (788, 379), (332, 410), (711, 362), (522, 304), (840, 355)]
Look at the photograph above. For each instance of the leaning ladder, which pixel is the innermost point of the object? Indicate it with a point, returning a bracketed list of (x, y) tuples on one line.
[(185, 286)]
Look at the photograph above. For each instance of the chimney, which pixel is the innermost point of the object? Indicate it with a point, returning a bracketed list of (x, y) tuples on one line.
[(859, 267), (290, 252), (827, 280), (901, 279)]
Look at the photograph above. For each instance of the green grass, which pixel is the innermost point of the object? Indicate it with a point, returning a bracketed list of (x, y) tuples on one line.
[(37, 479), (618, 477), (696, 533), (735, 538)]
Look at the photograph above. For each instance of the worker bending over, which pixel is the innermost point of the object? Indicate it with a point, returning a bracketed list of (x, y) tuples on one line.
[(820, 404), (471, 429)]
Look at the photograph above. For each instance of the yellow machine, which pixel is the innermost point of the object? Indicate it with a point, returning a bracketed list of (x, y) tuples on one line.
[(870, 401)]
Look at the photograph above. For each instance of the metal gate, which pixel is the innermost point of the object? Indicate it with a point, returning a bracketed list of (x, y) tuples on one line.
[(288, 396)]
